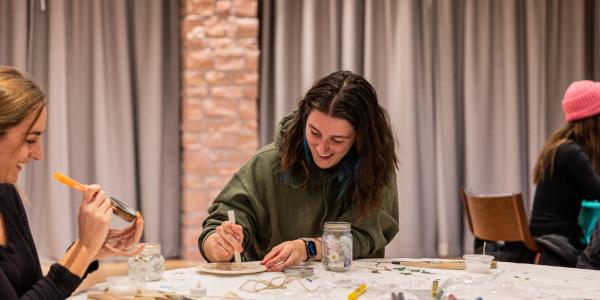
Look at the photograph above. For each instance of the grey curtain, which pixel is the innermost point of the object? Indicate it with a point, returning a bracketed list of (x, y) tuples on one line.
[(110, 70), (473, 89)]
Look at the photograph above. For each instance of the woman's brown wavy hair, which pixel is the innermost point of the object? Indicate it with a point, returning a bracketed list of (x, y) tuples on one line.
[(584, 132), (347, 96)]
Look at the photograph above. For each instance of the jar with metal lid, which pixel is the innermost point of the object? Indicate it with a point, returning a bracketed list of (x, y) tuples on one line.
[(337, 246), (149, 265)]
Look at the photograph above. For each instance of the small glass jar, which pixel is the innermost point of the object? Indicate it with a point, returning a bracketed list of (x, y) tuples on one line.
[(149, 265), (337, 246)]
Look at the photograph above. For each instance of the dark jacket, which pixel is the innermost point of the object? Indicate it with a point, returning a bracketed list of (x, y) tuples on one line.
[(590, 258)]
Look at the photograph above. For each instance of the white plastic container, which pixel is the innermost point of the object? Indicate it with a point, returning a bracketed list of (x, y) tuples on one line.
[(478, 263), (121, 286)]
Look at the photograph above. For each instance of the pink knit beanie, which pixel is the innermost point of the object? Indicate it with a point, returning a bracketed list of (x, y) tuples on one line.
[(582, 100)]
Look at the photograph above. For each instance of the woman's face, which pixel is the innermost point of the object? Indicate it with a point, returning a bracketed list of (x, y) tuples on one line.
[(328, 138), (15, 152)]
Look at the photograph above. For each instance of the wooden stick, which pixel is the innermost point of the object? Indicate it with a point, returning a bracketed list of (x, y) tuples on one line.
[(444, 265), (238, 258)]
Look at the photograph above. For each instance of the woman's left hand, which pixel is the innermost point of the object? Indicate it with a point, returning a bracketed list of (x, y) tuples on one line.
[(286, 254), (119, 242)]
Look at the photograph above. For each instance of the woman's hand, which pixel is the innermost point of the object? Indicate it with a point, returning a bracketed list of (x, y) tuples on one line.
[(119, 242), (286, 254), (94, 217), (220, 245)]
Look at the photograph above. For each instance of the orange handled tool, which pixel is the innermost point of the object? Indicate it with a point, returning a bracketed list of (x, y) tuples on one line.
[(64, 179), (120, 209)]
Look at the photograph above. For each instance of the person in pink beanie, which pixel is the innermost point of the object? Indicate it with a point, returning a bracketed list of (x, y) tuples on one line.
[(565, 174)]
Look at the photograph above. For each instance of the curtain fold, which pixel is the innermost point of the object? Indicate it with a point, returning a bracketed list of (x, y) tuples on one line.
[(473, 89), (110, 70), (13, 32)]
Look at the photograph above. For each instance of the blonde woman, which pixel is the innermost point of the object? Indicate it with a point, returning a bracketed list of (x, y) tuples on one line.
[(22, 124)]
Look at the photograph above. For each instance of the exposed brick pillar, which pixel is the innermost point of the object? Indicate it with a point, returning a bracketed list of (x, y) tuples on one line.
[(219, 114)]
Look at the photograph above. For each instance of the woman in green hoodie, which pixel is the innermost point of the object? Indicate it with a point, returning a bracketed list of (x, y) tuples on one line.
[(333, 159)]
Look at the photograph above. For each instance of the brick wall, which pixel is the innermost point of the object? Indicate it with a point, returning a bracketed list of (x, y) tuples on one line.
[(219, 83)]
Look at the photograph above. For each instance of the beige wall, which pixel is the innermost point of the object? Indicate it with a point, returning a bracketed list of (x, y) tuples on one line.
[(219, 81)]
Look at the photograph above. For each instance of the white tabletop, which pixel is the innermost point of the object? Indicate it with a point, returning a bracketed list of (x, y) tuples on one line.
[(508, 281)]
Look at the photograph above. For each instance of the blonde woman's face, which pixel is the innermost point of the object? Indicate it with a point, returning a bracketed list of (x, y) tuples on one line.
[(15, 152), (328, 138)]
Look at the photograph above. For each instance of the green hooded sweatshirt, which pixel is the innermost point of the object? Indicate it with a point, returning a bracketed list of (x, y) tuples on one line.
[(272, 210)]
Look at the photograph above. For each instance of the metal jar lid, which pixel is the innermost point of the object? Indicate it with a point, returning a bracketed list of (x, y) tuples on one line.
[(122, 210)]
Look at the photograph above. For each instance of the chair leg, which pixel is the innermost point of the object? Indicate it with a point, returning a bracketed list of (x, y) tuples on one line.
[(536, 260)]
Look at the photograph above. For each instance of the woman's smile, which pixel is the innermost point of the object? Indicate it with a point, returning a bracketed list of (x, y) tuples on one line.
[(328, 138)]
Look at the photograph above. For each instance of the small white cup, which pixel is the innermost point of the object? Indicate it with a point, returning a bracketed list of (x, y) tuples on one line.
[(478, 263), (121, 286)]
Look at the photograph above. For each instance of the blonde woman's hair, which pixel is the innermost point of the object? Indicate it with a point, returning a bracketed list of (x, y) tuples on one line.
[(19, 97)]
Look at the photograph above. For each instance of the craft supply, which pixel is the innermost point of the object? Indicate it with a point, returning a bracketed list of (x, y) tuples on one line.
[(478, 263), (121, 286), (399, 296), (299, 271), (382, 265), (198, 291), (337, 246), (148, 265), (141, 294), (120, 209), (434, 287), (261, 285), (236, 254), (357, 292), (229, 268), (374, 269), (438, 264)]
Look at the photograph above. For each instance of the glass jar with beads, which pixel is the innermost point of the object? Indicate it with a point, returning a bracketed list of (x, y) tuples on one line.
[(337, 246), (149, 265)]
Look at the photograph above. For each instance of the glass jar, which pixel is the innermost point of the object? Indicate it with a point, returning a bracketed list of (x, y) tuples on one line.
[(337, 246), (149, 265)]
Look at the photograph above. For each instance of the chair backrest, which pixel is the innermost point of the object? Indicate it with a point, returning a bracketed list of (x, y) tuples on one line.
[(499, 217)]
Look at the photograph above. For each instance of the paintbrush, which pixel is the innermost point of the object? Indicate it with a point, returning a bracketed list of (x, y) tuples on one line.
[(120, 209), (236, 254)]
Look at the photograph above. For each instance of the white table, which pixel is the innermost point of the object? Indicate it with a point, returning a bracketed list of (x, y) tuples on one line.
[(508, 281)]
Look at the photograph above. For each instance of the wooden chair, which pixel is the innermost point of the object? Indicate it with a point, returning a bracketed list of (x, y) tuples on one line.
[(498, 218)]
